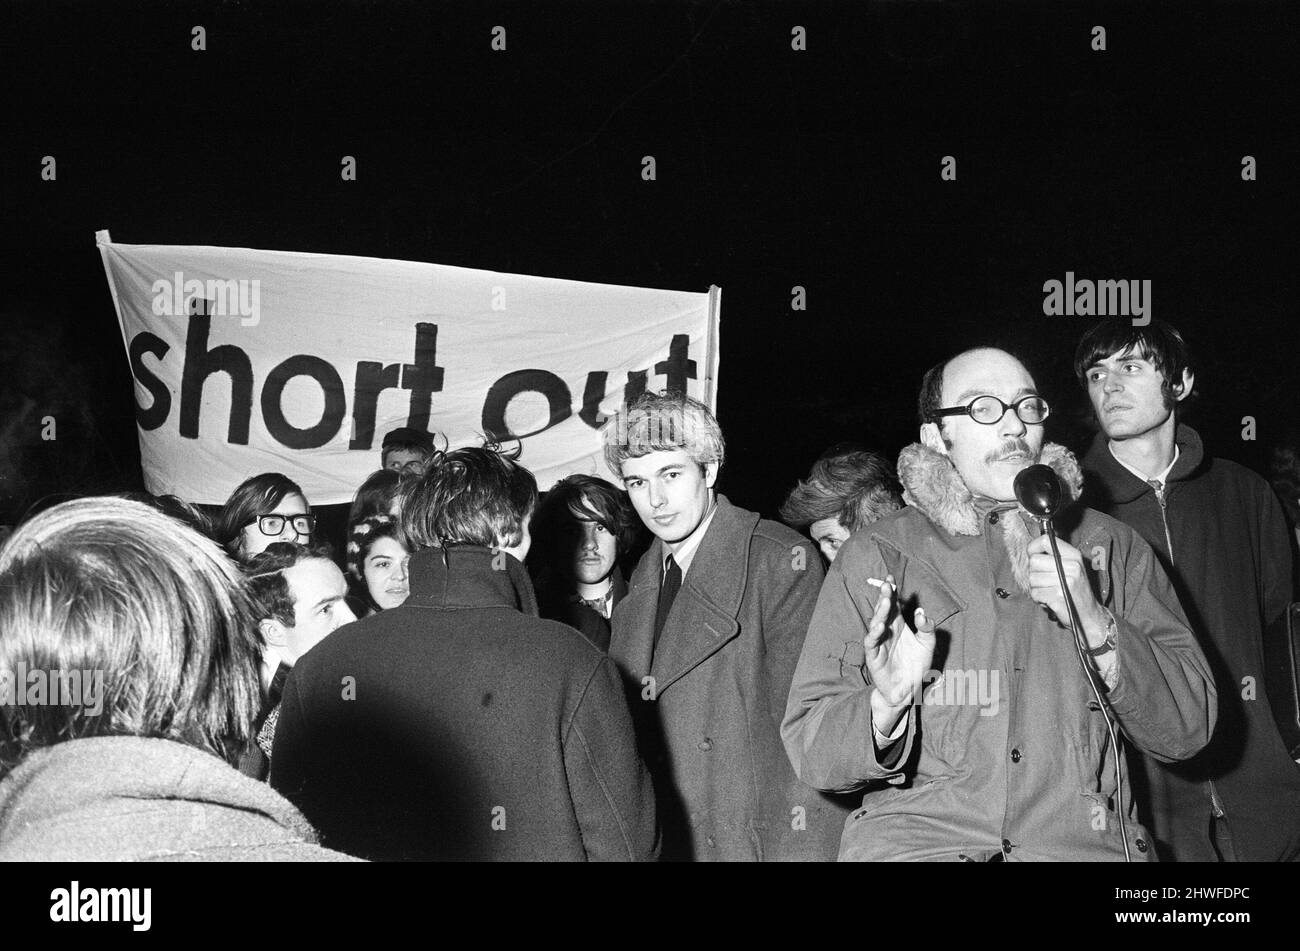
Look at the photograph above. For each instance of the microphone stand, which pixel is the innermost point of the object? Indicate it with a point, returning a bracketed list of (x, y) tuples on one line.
[(1076, 629)]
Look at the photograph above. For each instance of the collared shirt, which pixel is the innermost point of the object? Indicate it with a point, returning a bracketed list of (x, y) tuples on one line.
[(266, 731), (686, 553), (602, 605), (1162, 478)]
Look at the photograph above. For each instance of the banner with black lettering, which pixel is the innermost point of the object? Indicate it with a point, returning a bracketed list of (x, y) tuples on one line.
[(251, 361)]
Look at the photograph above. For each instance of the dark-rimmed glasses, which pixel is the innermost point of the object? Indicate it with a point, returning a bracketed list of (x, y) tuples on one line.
[(273, 525), (989, 410)]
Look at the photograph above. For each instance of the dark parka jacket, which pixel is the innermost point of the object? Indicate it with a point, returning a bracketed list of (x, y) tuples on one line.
[(1008, 754), (461, 726), (1231, 565), (708, 706)]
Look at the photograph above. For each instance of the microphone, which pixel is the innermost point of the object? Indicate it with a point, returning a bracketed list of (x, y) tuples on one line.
[(1038, 490)]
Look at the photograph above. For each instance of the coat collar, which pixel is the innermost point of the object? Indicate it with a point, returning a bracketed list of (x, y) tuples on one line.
[(703, 617), (717, 571), (555, 593), (618, 590), (932, 485), (55, 784), (1121, 486), (470, 576)]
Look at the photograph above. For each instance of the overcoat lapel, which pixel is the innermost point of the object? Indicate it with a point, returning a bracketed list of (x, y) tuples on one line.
[(703, 617), (695, 630), (633, 620)]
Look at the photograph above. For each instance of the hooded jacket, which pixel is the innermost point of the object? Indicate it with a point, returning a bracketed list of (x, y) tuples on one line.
[(462, 726), (1007, 756), (708, 699), (1220, 533), (136, 799)]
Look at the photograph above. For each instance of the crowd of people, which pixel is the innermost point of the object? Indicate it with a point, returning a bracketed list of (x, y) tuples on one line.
[(899, 669)]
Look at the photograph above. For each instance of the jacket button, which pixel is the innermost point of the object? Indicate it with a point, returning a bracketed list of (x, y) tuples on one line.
[(1003, 593), (1141, 845), (993, 518), (1015, 756)]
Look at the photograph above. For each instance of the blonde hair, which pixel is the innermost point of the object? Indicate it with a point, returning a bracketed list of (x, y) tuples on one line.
[(111, 585), (663, 422)]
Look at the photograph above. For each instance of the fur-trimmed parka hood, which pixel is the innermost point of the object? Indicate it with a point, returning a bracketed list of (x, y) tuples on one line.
[(932, 485)]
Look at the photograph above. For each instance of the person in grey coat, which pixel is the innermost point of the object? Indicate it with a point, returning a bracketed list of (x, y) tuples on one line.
[(707, 640), (128, 686), (938, 679)]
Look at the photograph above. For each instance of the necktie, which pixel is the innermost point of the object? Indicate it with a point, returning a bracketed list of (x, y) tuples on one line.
[(672, 582)]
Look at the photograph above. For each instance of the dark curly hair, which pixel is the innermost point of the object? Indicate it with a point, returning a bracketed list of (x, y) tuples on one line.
[(362, 537), (375, 496), (470, 496), (1157, 341), (855, 488), (268, 586), (583, 497)]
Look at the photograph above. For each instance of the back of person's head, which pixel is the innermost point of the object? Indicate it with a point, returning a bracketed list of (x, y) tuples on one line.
[(1157, 341), (470, 496), (186, 512), (375, 496), (842, 448), (115, 590), (254, 496), (582, 497), (663, 422), (855, 488), (268, 585)]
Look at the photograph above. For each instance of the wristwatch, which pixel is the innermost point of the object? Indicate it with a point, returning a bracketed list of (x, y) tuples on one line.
[(1108, 644)]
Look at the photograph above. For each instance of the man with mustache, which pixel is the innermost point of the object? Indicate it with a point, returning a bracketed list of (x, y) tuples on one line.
[(583, 528), (1219, 531), (1005, 755)]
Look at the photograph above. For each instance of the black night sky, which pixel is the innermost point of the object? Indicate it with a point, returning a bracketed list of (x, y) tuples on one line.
[(775, 168)]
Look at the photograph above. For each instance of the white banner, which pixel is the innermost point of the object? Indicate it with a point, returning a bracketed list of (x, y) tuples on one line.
[(270, 361)]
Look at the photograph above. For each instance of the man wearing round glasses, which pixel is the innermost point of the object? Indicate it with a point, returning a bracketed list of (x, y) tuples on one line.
[(1008, 437), (931, 665)]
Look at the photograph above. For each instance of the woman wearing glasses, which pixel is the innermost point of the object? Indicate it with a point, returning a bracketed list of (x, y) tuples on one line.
[(265, 509)]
